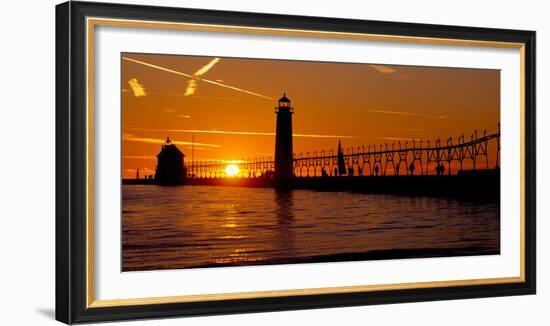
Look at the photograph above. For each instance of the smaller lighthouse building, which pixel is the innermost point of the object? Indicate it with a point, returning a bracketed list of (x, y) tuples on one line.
[(170, 165)]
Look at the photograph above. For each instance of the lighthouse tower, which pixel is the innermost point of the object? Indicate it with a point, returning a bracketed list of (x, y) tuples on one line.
[(283, 141)]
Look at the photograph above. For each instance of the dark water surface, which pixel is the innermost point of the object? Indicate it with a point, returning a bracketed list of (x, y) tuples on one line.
[(200, 226)]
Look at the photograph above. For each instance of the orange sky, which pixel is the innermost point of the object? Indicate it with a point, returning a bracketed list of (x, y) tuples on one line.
[(228, 104)]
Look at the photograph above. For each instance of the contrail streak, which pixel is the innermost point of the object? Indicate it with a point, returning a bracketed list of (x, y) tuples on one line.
[(207, 67), (192, 83), (150, 65)]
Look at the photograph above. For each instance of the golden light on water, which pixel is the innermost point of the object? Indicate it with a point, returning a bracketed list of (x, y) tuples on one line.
[(232, 170)]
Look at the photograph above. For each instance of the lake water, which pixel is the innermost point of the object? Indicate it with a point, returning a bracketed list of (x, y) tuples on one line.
[(203, 226)]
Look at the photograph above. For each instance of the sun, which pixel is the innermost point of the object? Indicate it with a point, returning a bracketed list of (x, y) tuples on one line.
[(232, 170)]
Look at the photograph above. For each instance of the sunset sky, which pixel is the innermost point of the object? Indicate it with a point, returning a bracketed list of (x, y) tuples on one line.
[(228, 105)]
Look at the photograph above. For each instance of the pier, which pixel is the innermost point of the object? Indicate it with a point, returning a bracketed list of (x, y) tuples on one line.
[(461, 166)]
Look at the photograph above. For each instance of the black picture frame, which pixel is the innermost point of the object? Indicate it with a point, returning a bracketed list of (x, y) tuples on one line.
[(71, 167)]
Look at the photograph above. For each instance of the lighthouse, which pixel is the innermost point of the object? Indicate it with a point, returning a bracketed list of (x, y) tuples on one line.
[(283, 141), (170, 165)]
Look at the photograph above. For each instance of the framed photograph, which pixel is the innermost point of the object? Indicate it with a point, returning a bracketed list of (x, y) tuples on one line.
[(213, 162)]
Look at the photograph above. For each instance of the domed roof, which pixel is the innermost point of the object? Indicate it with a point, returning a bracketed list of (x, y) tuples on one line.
[(284, 98)]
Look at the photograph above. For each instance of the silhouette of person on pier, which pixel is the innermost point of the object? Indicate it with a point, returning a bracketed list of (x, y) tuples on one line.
[(440, 169), (376, 170), (411, 168)]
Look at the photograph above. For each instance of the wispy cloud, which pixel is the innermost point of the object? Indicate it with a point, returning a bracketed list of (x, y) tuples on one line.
[(213, 160), (383, 69), (234, 99), (249, 133), (404, 77), (424, 115), (191, 87), (197, 147), (397, 138), (321, 136), (207, 67), (224, 132), (150, 65), (182, 116), (136, 87), (161, 141)]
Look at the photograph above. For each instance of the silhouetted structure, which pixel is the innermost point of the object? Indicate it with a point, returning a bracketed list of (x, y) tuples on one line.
[(341, 161), (170, 165), (283, 141), (410, 158), (391, 159), (371, 169)]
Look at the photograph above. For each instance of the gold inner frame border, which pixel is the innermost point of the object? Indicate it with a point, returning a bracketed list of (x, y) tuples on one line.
[(92, 22)]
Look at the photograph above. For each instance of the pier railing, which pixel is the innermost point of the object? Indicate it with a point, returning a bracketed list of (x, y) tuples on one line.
[(417, 157)]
